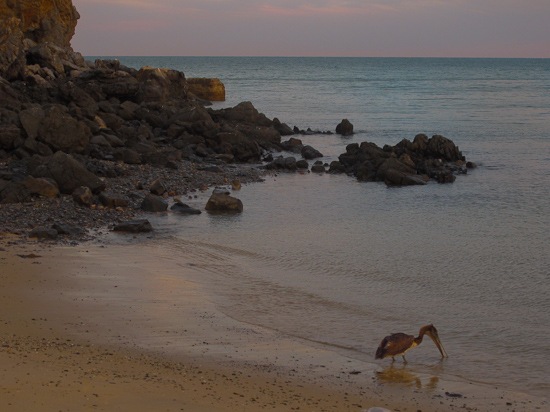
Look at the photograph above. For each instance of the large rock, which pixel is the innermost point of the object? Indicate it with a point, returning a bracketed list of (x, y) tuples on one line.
[(63, 132), (154, 203), (66, 171), (161, 85), (41, 186), (222, 202), (206, 88), (245, 112), (345, 128)]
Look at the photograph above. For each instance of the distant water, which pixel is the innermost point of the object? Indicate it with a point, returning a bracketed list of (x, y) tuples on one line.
[(343, 263)]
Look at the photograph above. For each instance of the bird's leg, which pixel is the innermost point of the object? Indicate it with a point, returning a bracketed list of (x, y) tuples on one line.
[(392, 359), (404, 360)]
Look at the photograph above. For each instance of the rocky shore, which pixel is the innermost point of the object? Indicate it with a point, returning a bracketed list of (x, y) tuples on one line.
[(86, 144)]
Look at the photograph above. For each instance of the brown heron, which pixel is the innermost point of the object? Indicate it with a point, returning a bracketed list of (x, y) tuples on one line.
[(398, 343)]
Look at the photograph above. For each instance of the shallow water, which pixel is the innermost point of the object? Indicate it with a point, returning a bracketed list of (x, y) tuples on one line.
[(343, 263)]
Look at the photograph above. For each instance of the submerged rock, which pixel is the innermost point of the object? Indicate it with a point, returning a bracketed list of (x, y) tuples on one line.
[(184, 209), (134, 226)]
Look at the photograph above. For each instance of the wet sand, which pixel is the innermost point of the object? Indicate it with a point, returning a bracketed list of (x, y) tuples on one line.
[(128, 327)]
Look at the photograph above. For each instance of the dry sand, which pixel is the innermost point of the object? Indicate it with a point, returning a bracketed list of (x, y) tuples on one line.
[(124, 327)]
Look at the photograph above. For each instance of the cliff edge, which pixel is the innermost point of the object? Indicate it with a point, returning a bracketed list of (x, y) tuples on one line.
[(37, 32)]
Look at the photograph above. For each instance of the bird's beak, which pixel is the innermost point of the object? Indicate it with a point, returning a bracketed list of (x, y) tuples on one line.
[(435, 338)]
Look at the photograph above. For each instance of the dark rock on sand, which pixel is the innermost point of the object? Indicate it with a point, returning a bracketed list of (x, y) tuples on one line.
[(154, 203), (113, 200), (157, 187), (83, 196)]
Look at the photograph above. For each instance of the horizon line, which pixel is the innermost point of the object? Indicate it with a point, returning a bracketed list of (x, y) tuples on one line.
[(315, 56)]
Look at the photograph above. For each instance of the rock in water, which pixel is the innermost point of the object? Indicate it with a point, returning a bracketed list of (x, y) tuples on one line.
[(134, 226), (207, 89), (345, 128), (184, 209), (223, 202)]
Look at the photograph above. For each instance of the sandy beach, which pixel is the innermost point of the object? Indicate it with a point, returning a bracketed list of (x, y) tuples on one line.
[(125, 327)]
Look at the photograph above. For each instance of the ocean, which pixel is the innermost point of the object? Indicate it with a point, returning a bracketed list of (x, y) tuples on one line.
[(341, 264)]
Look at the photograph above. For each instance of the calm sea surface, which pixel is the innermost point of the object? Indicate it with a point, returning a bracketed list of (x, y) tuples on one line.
[(343, 263)]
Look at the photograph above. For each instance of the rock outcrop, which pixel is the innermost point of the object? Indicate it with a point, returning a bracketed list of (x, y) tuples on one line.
[(37, 32), (208, 89), (344, 128), (407, 163)]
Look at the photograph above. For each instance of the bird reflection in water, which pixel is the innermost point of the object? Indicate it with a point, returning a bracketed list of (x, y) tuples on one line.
[(402, 376)]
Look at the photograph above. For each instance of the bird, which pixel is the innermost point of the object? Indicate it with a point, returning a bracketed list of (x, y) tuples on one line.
[(397, 344)]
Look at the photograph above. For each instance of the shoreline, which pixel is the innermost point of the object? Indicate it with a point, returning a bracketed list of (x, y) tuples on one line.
[(73, 326)]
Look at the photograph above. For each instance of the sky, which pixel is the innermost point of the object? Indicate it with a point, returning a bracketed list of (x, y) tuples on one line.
[(370, 28)]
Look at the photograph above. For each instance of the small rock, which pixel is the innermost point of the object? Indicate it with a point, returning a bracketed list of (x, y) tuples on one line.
[(157, 187), (113, 200), (134, 226), (236, 184), (184, 209)]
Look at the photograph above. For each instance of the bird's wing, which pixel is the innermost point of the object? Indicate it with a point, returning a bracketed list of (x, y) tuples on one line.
[(395, 344)]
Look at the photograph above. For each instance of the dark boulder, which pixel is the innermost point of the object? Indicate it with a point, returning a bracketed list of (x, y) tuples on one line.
[(63, 132), (318, 167), (336, 167), (345, 128), (83, 196), (9, 135), (153, 203), (12, 192), (41, 186), (302, 164), (66, 171), (309, 152), (282, 128), (113, 200), (157, 187), (184, 209), (244, 112)]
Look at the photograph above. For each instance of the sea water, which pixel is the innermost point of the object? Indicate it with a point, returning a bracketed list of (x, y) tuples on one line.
[(342, 263)]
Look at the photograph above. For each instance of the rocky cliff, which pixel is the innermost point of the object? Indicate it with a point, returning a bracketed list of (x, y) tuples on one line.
[(34, 32)]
